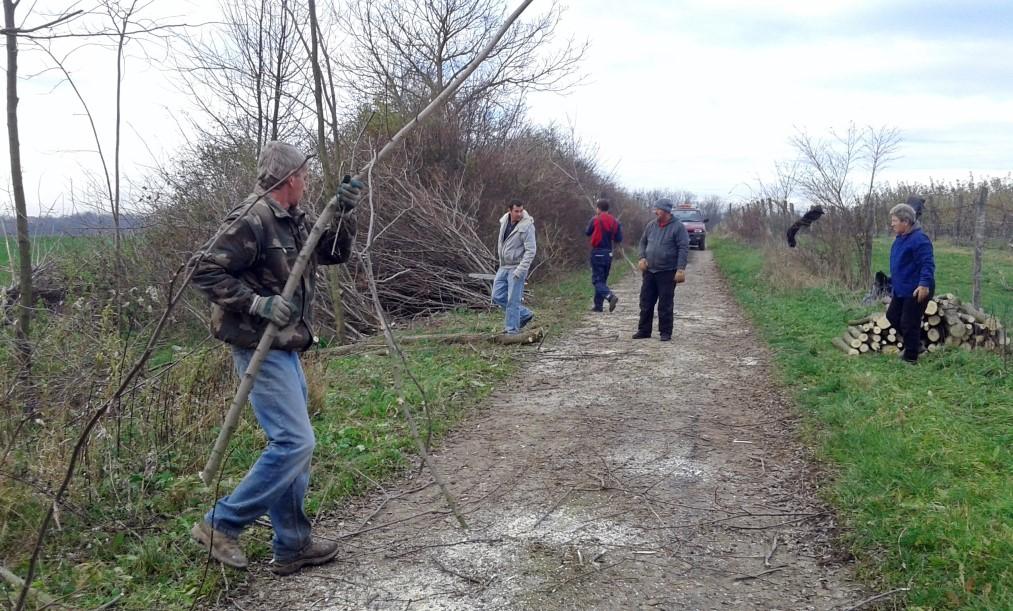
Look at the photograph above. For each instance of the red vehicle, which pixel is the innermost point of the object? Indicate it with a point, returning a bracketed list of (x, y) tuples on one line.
[(695, 223)]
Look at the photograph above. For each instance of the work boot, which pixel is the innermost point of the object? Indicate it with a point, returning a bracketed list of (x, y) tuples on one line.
[(224, 549), (317, 552), (613, 301), (666, 338), (525, 321), (639, 335)]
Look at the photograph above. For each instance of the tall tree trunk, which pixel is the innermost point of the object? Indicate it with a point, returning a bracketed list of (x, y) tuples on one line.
[(279, 70), (869, 225), (259, 79), (23, 333), (330, 178), (979, 244), (120, 268)]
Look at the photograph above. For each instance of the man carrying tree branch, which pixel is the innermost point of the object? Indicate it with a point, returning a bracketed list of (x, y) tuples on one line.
[(243, 273)]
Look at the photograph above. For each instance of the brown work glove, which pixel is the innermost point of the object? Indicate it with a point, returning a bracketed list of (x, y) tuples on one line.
[(680, 276), (642, 265)]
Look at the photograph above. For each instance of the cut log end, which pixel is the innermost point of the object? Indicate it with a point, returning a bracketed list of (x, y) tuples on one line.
[(525, 337), (843, 346)]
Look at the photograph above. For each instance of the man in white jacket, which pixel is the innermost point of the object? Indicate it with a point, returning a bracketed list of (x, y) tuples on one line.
[(516, 248)]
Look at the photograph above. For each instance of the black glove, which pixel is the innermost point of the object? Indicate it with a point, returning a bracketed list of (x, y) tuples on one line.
[(349, 194)]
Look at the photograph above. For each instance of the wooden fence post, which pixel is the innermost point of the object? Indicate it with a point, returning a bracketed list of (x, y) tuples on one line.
[(979, 245)]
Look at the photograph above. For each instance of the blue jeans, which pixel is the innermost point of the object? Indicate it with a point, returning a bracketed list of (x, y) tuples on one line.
[(276, 484), (601, 264), (507, 293)]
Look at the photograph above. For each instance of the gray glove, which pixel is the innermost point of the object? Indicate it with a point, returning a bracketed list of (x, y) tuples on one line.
[(274, 308), (349, 194)]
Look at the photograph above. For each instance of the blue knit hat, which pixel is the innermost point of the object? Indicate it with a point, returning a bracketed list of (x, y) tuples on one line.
[(664, 204)]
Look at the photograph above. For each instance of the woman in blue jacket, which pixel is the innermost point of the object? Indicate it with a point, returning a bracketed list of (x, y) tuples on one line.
[(913, 271)]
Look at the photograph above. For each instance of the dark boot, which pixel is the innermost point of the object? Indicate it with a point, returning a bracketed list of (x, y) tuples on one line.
[(317, 552)]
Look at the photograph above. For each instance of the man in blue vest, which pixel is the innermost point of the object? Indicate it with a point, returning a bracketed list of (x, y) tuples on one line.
[(605, 232)]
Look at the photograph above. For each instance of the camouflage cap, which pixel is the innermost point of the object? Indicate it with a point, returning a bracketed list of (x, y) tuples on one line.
[(277, 161)]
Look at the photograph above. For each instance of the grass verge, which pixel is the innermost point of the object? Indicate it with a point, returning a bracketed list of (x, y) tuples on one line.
[(44, 248), (922, 456), (123, 532)]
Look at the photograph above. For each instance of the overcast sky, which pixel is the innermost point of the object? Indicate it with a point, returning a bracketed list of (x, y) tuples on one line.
[(704, 94), (700, 95)]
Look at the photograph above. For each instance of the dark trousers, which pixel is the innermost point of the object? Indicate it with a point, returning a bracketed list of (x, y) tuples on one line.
[(657, 288), (905, 314), (601, 265)]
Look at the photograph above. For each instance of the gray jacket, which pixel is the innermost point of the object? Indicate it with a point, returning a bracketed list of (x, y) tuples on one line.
[(665, 248), (518, 250)]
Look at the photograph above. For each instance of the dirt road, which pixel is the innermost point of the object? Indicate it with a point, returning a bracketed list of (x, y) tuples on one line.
[(609, 474)]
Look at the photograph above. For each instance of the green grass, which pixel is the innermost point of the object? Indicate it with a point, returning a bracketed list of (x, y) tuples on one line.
[(921, 456), (131, 541), (43, 248)]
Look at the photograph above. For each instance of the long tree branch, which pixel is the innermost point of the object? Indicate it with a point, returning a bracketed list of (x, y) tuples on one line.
[(232, 417), (57, 21)]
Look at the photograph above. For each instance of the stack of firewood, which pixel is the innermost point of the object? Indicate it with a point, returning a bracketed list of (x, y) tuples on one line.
[(947, 322)]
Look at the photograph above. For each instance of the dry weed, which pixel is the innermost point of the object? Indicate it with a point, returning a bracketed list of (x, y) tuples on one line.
[(785, 270)]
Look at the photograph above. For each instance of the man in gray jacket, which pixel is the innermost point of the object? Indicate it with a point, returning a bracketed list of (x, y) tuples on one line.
[(664, 249), (516, 248)]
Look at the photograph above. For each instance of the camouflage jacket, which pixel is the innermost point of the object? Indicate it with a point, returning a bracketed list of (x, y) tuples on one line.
[(255, 257)]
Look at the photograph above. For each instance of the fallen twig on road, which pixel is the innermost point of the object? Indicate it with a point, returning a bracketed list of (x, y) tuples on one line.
[(761, 573), (466, 577), (873, 599), (552, 509), (528, 337)]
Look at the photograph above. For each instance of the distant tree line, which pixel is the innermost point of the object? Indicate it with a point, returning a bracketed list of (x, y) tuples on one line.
[(79, 224)]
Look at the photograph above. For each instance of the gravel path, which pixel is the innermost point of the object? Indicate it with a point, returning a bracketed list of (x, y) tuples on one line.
[(608, 474)]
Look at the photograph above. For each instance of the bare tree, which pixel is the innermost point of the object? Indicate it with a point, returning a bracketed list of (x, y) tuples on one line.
[(827, 176), (783, 187), (880, 147), (330, 175), (827, 166), (713, 208), (23, 344), (406, 51), (120, 17), (683, 196), (246, 76)]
